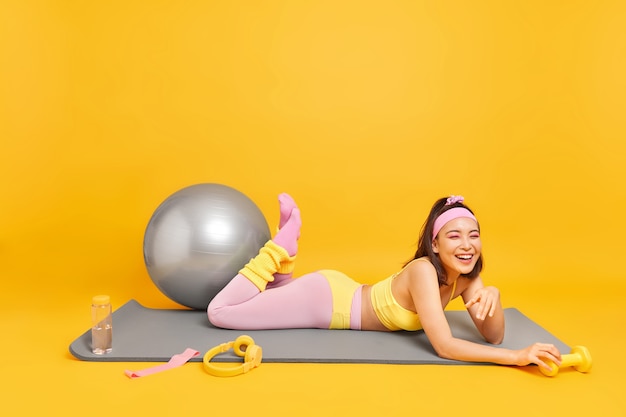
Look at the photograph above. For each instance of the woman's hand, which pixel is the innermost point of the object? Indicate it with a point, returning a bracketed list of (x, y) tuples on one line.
[(538, 354), (487, 299)]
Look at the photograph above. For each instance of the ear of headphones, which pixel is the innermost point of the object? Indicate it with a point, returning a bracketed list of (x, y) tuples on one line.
[(243, 346)]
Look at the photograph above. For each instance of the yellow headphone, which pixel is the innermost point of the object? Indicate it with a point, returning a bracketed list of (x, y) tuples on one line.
[(243, 346)]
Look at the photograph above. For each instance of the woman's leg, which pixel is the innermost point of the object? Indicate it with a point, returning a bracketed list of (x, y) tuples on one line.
[(277, 255), (325, 300), (285, 272), (305, 302), (254, 300), (245, 304)]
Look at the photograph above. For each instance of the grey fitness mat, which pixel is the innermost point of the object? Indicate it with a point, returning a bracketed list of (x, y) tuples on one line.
[(143, 334)]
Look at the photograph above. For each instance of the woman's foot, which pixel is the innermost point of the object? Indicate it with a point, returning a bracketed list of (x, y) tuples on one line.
[(288, 235), (287, 204)]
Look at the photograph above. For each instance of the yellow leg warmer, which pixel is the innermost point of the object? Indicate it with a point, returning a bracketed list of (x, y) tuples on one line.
[(286, 265), (261, 269)]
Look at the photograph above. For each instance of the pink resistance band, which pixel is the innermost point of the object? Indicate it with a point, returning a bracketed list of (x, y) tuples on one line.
[(176, 361), (449, 215)]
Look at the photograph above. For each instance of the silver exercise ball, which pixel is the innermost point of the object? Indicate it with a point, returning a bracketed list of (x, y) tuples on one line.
[(199, 238)]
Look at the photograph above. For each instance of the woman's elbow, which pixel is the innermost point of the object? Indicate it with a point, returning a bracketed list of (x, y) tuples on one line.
[(495, 339), (443, 351)]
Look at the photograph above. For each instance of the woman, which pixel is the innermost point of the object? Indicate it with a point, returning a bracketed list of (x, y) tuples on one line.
[(447, 264)]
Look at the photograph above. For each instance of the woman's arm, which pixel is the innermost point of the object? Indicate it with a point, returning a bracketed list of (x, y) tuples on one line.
[(424, 290), (484, 306)]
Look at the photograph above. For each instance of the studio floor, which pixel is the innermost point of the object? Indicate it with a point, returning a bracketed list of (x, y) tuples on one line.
[(42, 377)]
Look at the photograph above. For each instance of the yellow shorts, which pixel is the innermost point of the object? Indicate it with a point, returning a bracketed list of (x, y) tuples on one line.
[(343, 288)]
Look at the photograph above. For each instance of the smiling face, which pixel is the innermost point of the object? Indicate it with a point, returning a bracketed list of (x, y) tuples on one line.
[(458, 245)]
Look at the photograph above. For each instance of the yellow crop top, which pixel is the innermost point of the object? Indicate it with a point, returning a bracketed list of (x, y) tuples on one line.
[(390, 313)]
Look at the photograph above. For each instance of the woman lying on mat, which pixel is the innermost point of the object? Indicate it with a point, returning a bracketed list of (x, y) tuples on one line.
[(447, 264)]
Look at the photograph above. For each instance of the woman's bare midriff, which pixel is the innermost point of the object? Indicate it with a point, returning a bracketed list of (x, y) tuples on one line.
[(369, 320)]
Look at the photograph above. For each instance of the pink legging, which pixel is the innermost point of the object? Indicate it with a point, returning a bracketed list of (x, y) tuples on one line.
[(305, 302)]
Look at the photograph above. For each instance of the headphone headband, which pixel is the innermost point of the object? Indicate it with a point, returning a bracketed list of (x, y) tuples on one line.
[(243, 346)]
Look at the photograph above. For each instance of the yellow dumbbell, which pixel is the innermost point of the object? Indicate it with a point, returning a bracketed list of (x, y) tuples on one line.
[(579, 358)]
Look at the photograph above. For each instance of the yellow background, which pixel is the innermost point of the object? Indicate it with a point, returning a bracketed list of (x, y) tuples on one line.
[(364, 111)]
